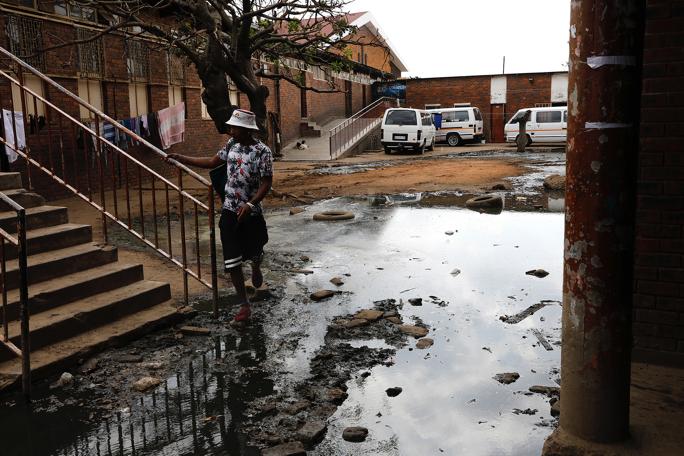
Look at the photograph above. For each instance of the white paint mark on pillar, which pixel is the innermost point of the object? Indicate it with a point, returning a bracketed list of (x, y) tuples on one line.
[(573, 31), (605, 125), (573, 102), (597, 61)]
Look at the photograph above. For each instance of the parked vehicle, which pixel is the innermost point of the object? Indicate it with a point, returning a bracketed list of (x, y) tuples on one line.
[(407, 128), (458, 125), (545, 125)]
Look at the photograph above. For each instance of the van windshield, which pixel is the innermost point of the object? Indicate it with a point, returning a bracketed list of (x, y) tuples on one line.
[(519, 115), (401, 118)]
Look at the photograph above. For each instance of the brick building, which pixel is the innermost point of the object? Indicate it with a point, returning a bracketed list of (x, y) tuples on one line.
[(497, 96), (127, 76)]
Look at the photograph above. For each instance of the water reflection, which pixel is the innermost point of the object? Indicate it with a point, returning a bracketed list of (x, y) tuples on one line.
[(195, 411)]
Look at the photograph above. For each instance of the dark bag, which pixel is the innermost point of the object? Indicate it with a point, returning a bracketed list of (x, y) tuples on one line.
[(219, 177)]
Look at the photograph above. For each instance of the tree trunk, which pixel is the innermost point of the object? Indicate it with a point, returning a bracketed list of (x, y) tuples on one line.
[(257, 103), (215, 97)]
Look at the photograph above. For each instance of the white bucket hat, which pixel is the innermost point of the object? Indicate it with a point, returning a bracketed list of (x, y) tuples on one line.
[(244, 119)]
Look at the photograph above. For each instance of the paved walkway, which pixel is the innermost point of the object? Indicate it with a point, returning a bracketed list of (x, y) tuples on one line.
[(319, 148)]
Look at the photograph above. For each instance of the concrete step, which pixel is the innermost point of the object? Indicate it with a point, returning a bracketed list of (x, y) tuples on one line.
[(61, 355), (10, 180), (56, 292), (86, 314), (22, 197), (52, 238), (36, 217), (58, 263)]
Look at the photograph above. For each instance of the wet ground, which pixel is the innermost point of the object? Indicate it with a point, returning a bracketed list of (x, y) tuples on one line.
[(236, 391)]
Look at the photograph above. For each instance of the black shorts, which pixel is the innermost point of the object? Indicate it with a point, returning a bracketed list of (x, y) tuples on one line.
[(242, 241)]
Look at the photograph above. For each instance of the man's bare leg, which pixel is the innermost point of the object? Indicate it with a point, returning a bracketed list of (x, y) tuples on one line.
[(238, 279)]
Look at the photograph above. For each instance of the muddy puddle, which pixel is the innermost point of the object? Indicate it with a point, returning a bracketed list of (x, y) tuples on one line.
[(235, 392)]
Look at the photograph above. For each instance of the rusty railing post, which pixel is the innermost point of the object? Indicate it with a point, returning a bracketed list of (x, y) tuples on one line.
[(212, 251), (181, 209), (604, 94), (23, 300)]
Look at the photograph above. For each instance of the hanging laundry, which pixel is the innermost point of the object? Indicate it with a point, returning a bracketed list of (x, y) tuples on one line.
[(153, 130), (144, 126), (10, 123), (109, 132), (172, 125)]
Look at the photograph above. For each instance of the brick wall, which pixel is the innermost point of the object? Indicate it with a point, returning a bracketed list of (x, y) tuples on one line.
[(659, 264), (523, 91)]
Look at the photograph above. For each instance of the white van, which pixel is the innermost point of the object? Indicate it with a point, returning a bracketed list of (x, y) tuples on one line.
[(458, 125), (545, 125), (407, 128)]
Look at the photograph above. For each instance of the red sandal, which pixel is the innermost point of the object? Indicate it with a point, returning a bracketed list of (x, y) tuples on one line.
[(243, 315)]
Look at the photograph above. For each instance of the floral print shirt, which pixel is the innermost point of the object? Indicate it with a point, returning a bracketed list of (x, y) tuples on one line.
[(246, 166)]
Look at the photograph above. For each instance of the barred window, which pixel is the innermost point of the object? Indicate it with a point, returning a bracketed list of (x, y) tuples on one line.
[(65, 8), (175, 69), (25, 38), (90, 54), (138, 60)]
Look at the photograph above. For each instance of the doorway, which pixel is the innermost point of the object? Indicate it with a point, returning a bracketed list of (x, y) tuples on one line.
[(497, 122)]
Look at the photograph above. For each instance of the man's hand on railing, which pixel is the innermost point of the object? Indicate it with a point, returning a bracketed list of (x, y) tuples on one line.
[(177, 157)]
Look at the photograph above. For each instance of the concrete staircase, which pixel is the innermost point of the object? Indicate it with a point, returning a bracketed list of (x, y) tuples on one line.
[(81, 299)]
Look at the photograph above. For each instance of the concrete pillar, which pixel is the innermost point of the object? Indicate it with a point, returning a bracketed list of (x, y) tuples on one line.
[(606, 48)]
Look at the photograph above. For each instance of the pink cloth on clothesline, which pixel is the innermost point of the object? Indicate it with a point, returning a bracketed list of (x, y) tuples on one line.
[(172, 125)]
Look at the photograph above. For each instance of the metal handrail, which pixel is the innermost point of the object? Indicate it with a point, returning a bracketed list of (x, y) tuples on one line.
[(109, 155), (345, 134), (20, 242)]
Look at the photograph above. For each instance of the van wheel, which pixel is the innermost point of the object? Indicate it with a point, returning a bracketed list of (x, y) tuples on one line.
[(432, 145), (529, 140), (388, 150), (454, 140), (420, 149)]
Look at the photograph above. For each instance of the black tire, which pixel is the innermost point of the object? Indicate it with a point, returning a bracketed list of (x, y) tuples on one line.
[(333, 215), (420, 149), (388, 150), (454, 140), (432, 145), (529, 140), (485, 201)]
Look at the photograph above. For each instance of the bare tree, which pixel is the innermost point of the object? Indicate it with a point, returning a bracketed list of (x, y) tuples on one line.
[(231, 37)]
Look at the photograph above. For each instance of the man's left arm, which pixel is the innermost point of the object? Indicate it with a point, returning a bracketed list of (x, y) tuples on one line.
[(264, 188)]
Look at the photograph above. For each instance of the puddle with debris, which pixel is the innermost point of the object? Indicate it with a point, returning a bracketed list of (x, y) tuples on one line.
[(219, 387)]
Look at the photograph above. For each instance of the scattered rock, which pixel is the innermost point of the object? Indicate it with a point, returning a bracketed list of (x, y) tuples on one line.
[(502, 186), (336, 395), (152, 365), (555, 182), (312, 431), (527, 411), (455, 272), (353, 323), (337, 281), (537, 273), (146, 383), (369, 314), (424, 343), (365, 374), (194, 331), (506, 377), (394, 391), (304, 258), (487, 349), (297, 407), (296, 210), (520, 316), (556, 408), (416, 301), (321, 294), (395, 320), (285, 449), (548, 390), (128, 359), (302, 271), (355, 434), (449, 233), (89, 366), (65, 379), (415, 331)]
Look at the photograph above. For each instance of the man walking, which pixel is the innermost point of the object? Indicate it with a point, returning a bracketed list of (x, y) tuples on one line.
[(249, 166)]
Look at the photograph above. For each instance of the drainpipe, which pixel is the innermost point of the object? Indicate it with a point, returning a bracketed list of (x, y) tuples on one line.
[(606, 49)]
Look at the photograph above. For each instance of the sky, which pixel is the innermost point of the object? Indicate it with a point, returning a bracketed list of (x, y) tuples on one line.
[(460, 38)]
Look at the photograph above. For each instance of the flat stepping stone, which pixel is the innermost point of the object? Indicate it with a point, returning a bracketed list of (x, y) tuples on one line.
[(412, 330), (321, 295)]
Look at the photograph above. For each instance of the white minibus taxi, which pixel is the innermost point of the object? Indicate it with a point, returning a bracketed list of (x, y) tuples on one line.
[(458, 125), (407, 128), (545, 125)]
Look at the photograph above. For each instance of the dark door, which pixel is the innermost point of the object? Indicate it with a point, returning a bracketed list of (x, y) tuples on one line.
[(348, 99), (304, 108), (497, 123)]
